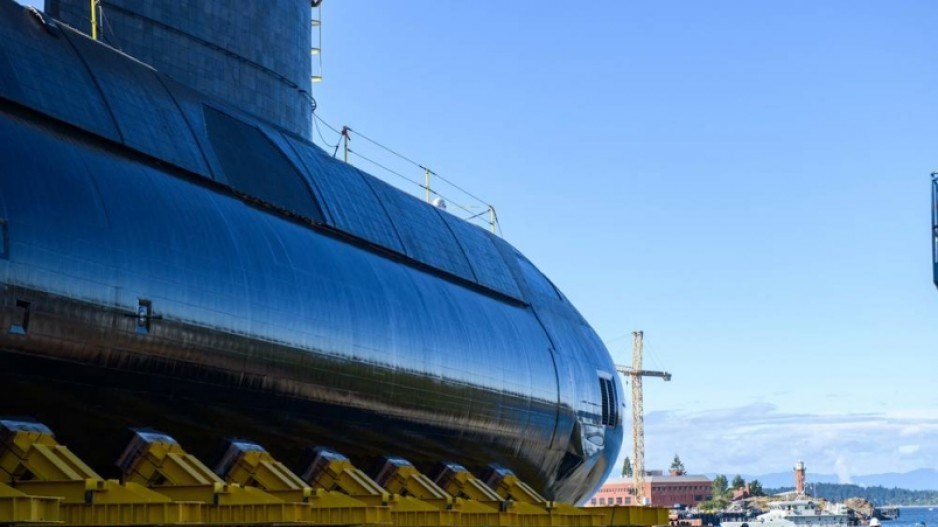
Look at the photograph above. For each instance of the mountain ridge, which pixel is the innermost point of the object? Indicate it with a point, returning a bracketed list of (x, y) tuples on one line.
[(918, 479)]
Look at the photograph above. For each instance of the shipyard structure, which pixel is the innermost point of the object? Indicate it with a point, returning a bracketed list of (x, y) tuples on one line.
[(180, 265), (662, 490)]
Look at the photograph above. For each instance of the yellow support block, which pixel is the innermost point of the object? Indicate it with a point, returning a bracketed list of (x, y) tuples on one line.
[(459, 482), (509, 487), (335, 508), (246, 463), (31, 459), (29, 450), (331, 470), (631, 516), (529, 504), (126, 514), (400, 477), (93, 491), (158, 462), (18, 507)]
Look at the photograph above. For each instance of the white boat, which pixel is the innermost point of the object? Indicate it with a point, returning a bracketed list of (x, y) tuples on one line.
[(797, 513)]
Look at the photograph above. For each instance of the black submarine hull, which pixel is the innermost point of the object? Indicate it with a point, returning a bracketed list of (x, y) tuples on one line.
[(170, 262)]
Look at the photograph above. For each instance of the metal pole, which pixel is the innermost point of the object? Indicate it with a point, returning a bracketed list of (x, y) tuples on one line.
[(345, 147), (492, 218), (94, 20), (426, 182)]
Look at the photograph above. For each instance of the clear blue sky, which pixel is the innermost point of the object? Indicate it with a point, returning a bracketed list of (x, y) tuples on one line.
[(747, 182)]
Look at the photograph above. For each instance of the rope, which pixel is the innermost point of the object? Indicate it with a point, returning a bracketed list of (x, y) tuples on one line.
[(319, 132), (327, 125)]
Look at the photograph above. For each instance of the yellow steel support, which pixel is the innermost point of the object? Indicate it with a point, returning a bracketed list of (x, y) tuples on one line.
[(509, 487), (331, 470), (18, 507), (33, 462), (400, 477), (157, 461), (43, 482), (248, 464), (629, 516), (459, 482)]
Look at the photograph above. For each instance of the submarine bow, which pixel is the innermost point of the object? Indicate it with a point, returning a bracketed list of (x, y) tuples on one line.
[(170, 261)]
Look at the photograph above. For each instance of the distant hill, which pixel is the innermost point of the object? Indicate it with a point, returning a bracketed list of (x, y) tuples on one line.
[(921, 479), (876, 495)]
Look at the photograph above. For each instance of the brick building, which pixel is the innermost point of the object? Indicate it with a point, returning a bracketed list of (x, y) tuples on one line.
[(663, 491)]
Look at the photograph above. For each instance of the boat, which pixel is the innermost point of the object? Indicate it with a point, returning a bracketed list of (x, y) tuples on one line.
[(168, 260), (797, 513), (886, 513)]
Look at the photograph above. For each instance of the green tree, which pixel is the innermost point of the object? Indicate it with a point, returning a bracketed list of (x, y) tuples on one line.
[(719, 486), (677, 466), (738, 482), (755, 488), (627, 468), (720, 498)]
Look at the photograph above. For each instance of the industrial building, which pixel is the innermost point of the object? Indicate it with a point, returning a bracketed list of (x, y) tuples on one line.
[(662, 490)]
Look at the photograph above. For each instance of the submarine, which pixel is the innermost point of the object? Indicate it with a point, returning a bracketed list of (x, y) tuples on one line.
[(169, 259)]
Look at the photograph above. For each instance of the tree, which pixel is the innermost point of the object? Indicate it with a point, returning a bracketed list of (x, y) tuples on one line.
[(738, 482), (720, 498), (755, 488), (627, 468), (720, 487), (677, 468)]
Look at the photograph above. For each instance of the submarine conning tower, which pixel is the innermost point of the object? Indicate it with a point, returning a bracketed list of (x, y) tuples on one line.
[(253, 55)]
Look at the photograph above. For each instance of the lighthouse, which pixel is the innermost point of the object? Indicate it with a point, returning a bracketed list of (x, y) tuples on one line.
[(799, 478)]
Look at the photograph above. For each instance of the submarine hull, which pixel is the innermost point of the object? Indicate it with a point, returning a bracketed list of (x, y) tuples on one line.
[(170, 262)]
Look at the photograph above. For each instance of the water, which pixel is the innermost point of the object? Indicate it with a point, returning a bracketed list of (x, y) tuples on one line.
[(909, 516)]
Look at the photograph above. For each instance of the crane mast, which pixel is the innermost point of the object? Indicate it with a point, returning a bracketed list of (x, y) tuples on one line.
[(635, 374), (638, 419)]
